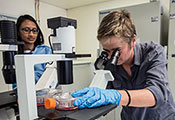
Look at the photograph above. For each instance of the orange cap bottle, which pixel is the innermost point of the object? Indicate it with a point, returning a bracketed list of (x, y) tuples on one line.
[(50, 103)]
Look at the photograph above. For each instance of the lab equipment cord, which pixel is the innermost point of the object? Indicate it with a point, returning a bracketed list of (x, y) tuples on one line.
[(51, 48), (50, 43)]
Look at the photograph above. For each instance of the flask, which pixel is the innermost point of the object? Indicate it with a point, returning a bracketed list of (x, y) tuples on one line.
[(42, 94), (60, 101)]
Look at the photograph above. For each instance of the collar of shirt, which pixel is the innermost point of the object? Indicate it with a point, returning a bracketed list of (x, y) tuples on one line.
[(137, 55)]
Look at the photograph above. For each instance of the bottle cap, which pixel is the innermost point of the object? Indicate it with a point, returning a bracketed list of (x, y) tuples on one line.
[(50, 103)]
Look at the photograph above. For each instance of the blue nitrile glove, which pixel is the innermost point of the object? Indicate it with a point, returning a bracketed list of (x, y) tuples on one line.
[(95, 97)]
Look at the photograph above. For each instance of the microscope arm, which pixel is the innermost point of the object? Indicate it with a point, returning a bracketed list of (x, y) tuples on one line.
[(49, 78), (101, 79)]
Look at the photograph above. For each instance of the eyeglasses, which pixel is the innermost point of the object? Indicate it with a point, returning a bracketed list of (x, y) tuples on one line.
[(28, 30)]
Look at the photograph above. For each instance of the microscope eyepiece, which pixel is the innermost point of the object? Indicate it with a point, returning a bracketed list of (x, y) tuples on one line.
[(102, 60), (115, 56)]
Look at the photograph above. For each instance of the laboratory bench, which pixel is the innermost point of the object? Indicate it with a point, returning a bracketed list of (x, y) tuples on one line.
[(78, 114), (8, 99)]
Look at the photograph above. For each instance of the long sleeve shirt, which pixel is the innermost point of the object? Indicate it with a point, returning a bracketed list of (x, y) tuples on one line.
[(148, 72)]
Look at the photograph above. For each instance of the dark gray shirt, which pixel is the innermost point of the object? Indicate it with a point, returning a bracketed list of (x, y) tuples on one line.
[(148, 71)]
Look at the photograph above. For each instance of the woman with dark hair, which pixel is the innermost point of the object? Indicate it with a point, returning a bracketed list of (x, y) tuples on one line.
[(24, 23), (29, 32)]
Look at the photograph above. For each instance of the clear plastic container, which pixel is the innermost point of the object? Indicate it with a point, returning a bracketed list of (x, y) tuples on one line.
[(61, 101), (41, 95)]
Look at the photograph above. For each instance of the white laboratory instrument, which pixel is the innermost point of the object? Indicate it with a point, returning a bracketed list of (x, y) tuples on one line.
[(64, 41), (63, 37), (101, 79), (26, 83), (49, 78), (63, 34)]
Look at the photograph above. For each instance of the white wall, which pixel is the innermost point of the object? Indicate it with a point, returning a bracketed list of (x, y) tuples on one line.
[(88, 21), (20, 7), (49, 11), (17, 7)]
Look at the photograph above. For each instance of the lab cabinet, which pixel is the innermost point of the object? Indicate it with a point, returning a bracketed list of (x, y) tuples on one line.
[(171, 47)]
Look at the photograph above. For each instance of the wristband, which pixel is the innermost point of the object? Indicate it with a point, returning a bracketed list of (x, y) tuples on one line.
[(129, 97)]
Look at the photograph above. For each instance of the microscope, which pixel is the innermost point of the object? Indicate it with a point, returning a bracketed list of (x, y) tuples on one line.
[(21, 66), (102, 75), (62, 43), (63, 48)]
